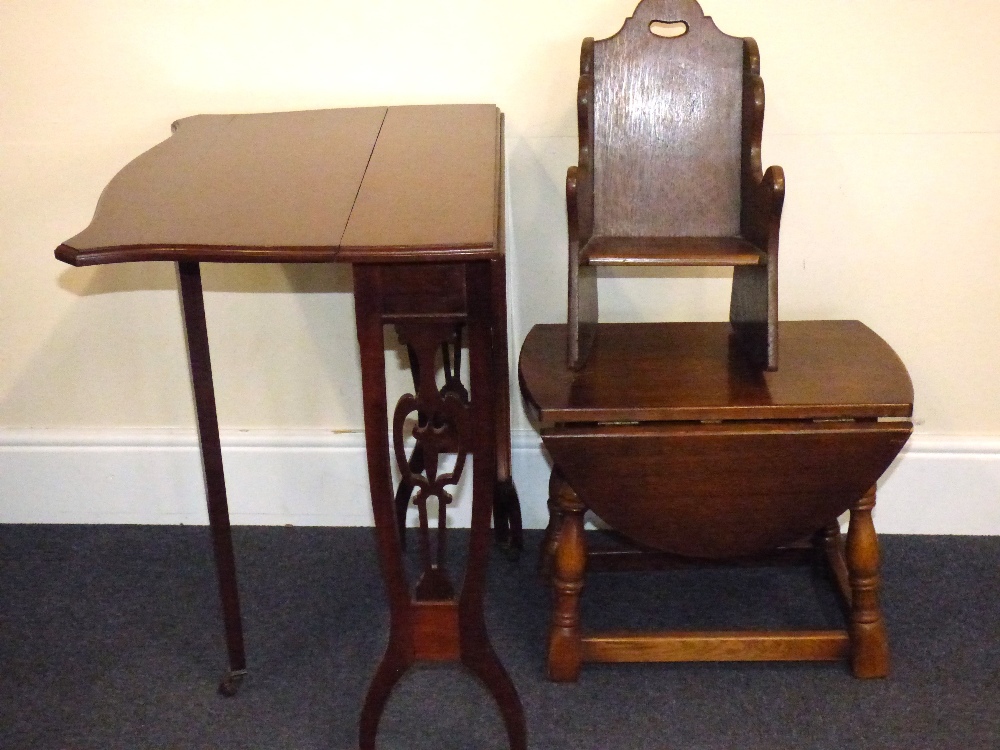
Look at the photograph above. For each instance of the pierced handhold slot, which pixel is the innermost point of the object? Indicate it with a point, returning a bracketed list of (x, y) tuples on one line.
[(668, 29)]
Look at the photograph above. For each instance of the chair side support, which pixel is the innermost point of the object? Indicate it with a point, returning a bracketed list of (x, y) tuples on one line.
[(753, 309), (582, 288)]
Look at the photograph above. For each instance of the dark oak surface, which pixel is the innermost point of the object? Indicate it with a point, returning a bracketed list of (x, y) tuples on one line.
[(667, 127), (692, 371), (669, 170), (722, 490), (687, 438), (382, 183), (672, 251), (682, 446)]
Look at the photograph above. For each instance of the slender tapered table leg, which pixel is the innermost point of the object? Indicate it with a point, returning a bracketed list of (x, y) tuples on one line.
[(193, 305)]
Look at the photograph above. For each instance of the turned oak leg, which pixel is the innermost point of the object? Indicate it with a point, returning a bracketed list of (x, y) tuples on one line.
[(829, 550), (869, 643), (550, 542), (193, 306), (827, 541), (565, 651)]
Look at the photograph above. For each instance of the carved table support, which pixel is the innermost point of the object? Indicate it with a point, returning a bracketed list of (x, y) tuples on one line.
[(441, 428), (193, 306), (506, 505), (432, 624), (424, 382)]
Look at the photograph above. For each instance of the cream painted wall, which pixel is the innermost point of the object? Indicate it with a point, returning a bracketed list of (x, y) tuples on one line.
[(884, 114)]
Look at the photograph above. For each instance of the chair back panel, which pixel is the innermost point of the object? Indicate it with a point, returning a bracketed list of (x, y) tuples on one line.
[(667, 126)]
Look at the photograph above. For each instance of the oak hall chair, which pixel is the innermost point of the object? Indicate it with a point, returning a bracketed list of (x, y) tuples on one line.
[(669, 169)]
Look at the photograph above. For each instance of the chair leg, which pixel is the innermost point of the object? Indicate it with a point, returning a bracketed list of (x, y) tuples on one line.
[(752, 312), (869, 643), (565, 648)]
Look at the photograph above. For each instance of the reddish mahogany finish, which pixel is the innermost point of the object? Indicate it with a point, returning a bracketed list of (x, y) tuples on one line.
[(193, 307), (274, 188), (413, 197), (431, 623)]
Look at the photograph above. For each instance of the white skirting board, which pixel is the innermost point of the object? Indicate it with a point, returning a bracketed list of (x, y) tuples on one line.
[(938, 485)]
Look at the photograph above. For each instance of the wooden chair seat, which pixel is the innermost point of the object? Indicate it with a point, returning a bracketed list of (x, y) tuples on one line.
[(672, 251)]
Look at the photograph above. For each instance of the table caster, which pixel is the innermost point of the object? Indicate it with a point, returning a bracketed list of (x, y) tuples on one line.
[(230, 684)]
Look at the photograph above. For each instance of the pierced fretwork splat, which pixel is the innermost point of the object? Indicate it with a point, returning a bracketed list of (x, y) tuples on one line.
[(440, 428)]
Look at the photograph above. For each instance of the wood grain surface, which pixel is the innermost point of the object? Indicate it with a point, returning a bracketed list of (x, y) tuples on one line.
[(667, 127), (669, 169), (685, 371), (723, 490), (235, 187), (739, 645), (431, 184), (398, 183), (672, 251)]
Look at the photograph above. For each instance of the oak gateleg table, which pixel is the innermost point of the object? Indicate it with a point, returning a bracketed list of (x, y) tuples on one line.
[(412, 198)]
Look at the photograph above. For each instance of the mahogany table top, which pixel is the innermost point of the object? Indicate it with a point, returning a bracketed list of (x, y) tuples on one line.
[(366, 184), (645, 372)]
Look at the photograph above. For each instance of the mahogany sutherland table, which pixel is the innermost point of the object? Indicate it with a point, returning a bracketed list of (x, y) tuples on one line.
[(412, 197)]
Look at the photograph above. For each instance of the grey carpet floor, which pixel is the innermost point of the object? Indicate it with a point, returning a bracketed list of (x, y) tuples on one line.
[(110, 637)]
